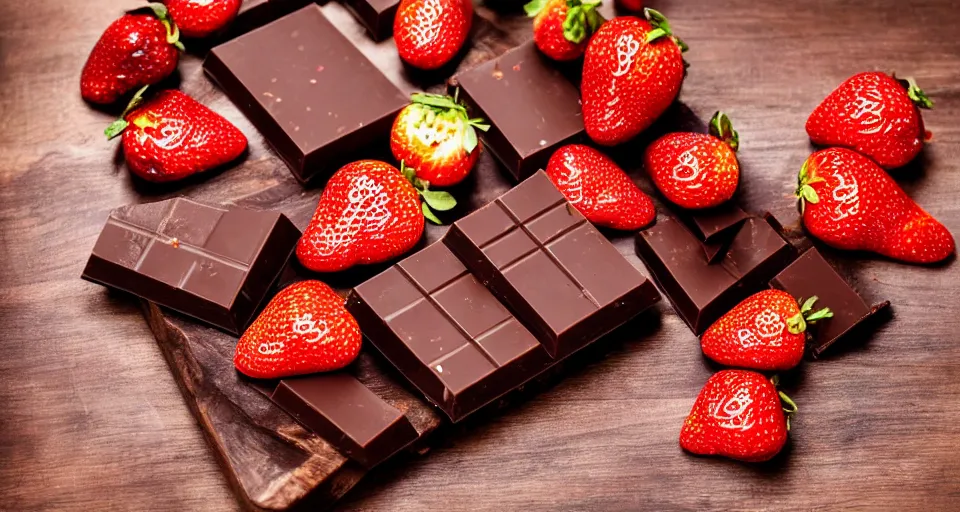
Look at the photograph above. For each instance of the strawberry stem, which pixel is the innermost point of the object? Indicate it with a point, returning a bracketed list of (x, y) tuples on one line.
[(661, 28), (805, 193), (916, 94), (797, 324), (117, 127), (533, 7), (173, 32), (791, 407), (582, 20), (721, 127)]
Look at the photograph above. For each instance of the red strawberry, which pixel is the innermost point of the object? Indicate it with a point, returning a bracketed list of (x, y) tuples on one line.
[(201, 18), (429, 33), (632, 72), (140, 48), (562, 28), (172, 136), (368, 213), (767, 331), (875, 114), (738, 415), (850, 203), (436, 138), (695, 170), (304, 329), (596, 186), (630, 5)]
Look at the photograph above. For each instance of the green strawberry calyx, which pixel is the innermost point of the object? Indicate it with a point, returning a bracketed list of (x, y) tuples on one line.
[(173, 32), (582, 20), (432, 199), (661, 28), (117, 127), (446, 108), (721, 127), (797, 324), (805, 192), (790, 407), (916, 94)]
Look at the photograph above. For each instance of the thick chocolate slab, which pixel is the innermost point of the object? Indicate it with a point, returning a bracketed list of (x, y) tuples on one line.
[(257, 13), (311, 93), (532, 107), (214, 264), (345, 413), (812, 275), (550, 266), (715, 227), (700, 291), (375, 15)]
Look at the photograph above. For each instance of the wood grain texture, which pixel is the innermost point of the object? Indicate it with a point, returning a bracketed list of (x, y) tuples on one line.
[(93, 419)]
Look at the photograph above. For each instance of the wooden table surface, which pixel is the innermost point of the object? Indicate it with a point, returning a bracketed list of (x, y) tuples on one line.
[(91, 418)]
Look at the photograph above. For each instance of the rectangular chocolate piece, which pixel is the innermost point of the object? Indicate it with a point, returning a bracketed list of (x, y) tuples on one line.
[(715, 227), (345, 413), (446, 332), (257, 13), (311, 93), (700, 291), (559, 275), (375, 15), (810, 275), (533, 109), (214, 264)]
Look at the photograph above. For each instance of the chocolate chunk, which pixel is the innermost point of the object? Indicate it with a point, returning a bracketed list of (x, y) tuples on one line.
[(715, 227), (346, 414), (811, 275), (375, 15), (311, 93), (215, 264), (700, 291), (257, 13), (551, 267), (446, 332), (532, 108)]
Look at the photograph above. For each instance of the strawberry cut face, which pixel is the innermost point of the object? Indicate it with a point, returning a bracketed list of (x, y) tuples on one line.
[(434, 144)]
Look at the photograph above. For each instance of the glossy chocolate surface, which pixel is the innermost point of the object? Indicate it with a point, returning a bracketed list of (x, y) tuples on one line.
[(812, 275), (533, 109), (311, 93), (375, 15), (215, 264)]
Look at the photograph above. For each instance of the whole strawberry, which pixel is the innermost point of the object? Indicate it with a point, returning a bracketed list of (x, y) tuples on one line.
[(172, 136), (738, 415), (767, 331), (436, 138), (202, 18), (562, 28), (849, 202), (140, 48), (630, 5), (304, 329), (429, 33), (599, 189), (696, 170), (368, 213), (632, 72), (876, 115)]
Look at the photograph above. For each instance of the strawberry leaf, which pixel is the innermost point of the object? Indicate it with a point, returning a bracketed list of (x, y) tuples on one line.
[(791, 407), (408, 172), (916, 94), (722, 128), (438, 200), (796, 324), (429, 215), (116, 128), (469, 139), (575, 25), (810, 195), (437, 101), (478, 123), (661, 28), (534, 7)]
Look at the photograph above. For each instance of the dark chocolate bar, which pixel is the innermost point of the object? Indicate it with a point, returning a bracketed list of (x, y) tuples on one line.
[(446, 332), (700, 291), (810, 275), (715, 227), (215, 264), (257, 13), (375, 15), (346, 414), (552, 268), (533, 109), (311, 93)]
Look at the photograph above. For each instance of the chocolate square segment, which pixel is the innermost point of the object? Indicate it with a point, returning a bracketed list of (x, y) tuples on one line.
[(811, 275), (532, 107), (561, 278), (347, 414), (375, 15), (310, 92), (702, 291), (215, 264)]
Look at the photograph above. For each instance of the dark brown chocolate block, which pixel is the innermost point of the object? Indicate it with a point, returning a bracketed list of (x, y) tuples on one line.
[(701, 291), (533, 109), (810, 275), (214, 264), (375, 15), (345, 413), (446, 332), (551, 267), (311, 93), (257, 13)]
